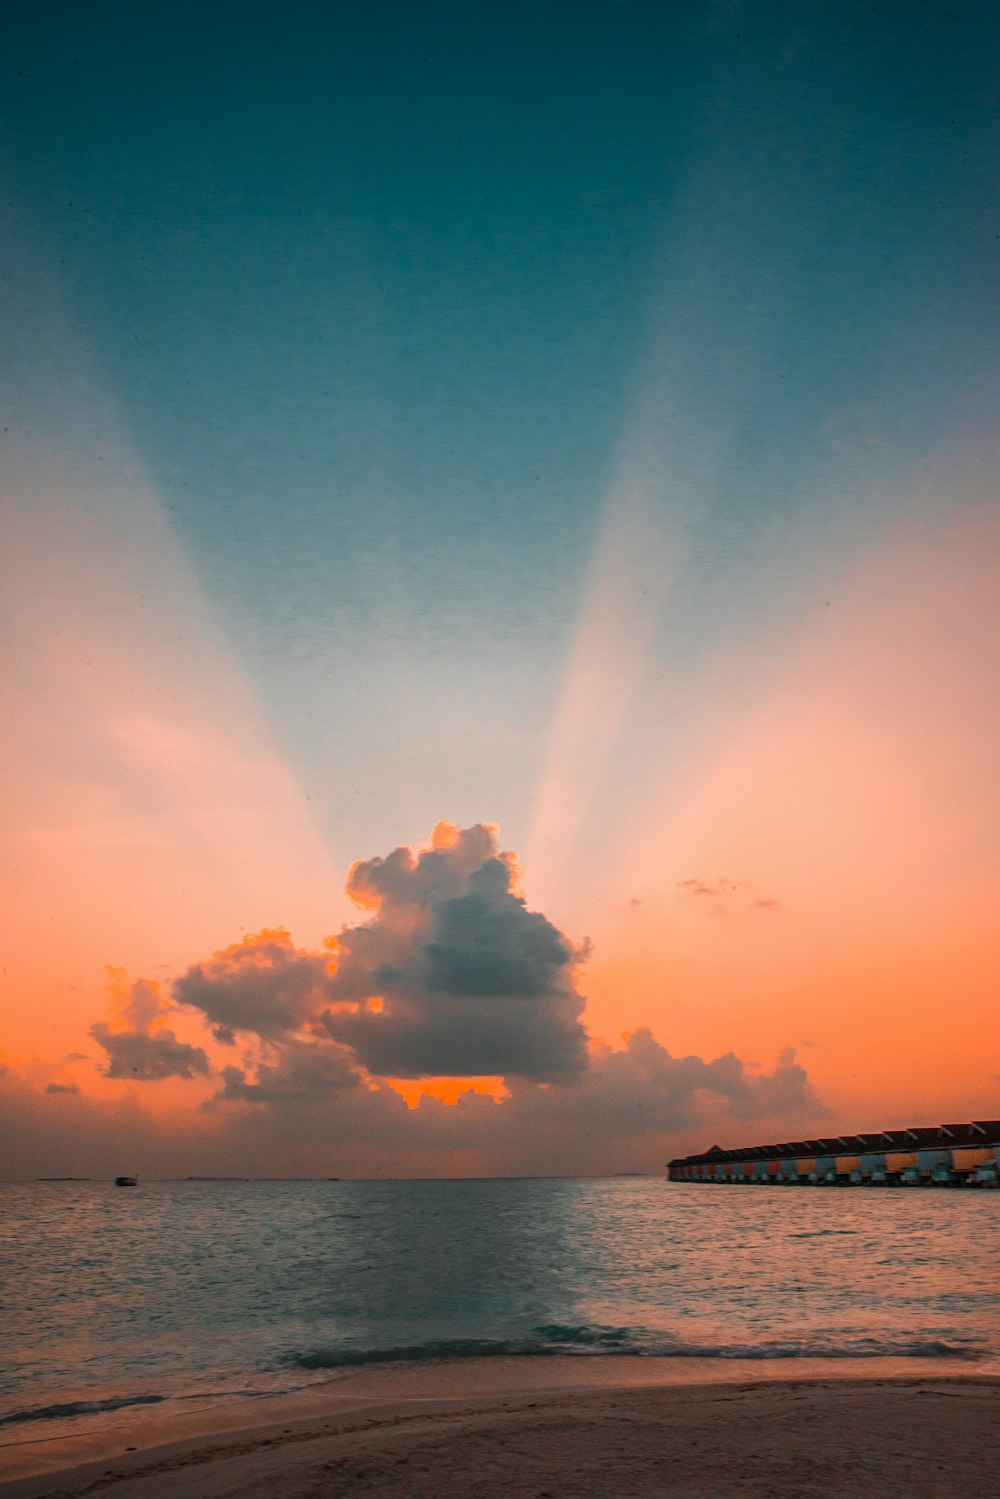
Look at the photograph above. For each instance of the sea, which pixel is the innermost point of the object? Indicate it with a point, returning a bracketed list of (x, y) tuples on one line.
[(201, 1291)]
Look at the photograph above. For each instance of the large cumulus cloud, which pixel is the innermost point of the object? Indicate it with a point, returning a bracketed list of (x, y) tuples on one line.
[(450, 975), (470, 981)]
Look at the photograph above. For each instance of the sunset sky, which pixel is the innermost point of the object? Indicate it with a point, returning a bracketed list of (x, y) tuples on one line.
[(557, 442)]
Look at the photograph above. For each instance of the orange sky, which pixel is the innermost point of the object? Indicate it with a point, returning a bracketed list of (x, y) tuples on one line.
[(859, 796), (824, 879)]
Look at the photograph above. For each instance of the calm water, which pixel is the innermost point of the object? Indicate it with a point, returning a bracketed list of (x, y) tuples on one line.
[(190, 1290)]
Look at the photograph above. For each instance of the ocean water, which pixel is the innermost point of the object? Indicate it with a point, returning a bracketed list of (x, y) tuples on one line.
[(187, 1291)]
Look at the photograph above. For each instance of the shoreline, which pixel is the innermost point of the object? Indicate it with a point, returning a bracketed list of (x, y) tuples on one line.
[(430, 1427)]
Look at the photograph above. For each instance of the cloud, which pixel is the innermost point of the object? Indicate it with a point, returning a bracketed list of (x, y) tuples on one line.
[(451, 975), (643, 1078), (727, 897), (631, 1099), (637, 1100), (149, 1058), (633, 1107), (62, 1088), (145, 1050), (305, 1113), (471, 981), (264, 984), (304, 1074)]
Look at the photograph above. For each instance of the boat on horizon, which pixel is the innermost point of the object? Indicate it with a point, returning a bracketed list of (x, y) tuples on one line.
[(126, 1181)]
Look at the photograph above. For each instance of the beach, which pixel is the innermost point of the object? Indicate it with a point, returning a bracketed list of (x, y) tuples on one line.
[(546, 1337), (554, 1427)]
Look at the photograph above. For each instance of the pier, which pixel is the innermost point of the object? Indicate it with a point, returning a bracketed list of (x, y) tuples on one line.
[(942, 1155)]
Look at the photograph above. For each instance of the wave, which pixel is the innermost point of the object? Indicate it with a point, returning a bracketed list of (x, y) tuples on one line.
[(586, 1340), (594, 1340), (851, 1348), (78, 1408)]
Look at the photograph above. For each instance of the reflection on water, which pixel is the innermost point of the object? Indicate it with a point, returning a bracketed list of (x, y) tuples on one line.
[(181, 1287)]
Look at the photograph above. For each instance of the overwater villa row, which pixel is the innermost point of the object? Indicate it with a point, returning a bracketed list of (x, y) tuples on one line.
[(943, 1155)]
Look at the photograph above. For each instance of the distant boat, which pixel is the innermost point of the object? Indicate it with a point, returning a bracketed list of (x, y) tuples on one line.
[(125, 1181)]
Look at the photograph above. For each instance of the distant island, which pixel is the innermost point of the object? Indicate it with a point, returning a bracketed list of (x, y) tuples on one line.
[(63, 1178)]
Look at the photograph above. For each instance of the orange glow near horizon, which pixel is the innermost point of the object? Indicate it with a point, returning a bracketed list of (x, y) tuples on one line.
[(447, 1090)]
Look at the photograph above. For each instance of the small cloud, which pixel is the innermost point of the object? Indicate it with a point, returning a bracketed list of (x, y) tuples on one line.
[(144, 1050), (76, 1056), (702, 887), (62, 1088), (149, 1058), (727, 897), (263, 984)]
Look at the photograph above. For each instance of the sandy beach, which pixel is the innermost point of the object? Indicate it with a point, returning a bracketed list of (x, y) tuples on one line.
[(619, 1429)]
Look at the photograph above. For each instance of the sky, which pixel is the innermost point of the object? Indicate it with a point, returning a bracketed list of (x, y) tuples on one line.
[(500, 582)]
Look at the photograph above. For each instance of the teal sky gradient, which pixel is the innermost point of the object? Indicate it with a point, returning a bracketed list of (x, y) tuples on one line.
[(385, 297)]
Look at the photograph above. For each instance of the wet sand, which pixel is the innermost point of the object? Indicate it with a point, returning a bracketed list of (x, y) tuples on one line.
[(548, 1428)]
